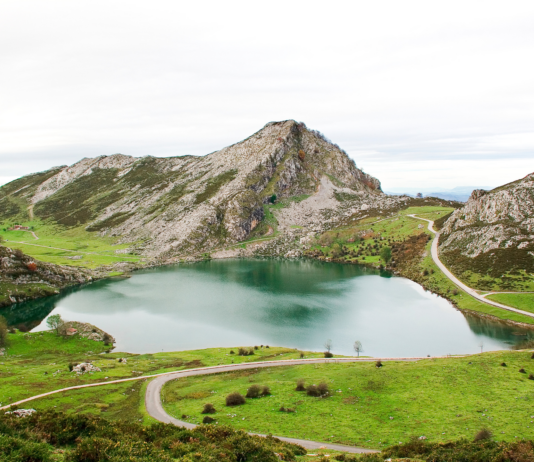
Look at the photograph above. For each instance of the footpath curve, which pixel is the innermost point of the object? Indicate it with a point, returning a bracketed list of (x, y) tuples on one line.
[(453, 278)]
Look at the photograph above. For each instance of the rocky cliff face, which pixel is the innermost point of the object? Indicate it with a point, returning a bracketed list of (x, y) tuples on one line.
[(494, 231), (170, 207)]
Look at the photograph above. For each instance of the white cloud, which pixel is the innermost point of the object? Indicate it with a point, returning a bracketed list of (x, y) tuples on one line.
[(394, 83)]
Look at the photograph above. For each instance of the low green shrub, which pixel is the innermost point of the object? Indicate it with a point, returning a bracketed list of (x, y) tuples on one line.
[(300, 385), (253, 391)]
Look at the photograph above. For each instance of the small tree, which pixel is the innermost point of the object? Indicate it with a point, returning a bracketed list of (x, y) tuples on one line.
[(328, 345), (385, 254), (55, 322), (358, 348), (3, 331)]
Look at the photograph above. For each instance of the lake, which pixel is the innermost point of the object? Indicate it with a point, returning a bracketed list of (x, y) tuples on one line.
[(246, 302)]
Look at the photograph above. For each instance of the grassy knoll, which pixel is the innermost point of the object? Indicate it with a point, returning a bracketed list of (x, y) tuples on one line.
[(442, 399), (56, 244), (38, 362), (521, 301)]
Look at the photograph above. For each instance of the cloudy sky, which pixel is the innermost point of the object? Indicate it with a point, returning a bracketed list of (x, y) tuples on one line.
[(423, 95)]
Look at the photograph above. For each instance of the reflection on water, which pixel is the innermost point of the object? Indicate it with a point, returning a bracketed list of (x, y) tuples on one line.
[(292, 303)]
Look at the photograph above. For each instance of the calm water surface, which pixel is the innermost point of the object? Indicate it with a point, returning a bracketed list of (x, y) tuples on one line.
[(297, 304)]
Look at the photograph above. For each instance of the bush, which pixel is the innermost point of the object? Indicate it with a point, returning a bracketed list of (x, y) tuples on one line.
[(532, 356), (327, 354), (483, 434), (503, 364), (207, 420), (265, 391), (108, 339), (300, 385), (235, 399), (301, 355), (209, 409), (245, 352), (253, 391), (523, 371), (455, 292), (531, 377), (256, 347), (72, 366), (312, 390), (232, 352), (323, 389), (378, 363)]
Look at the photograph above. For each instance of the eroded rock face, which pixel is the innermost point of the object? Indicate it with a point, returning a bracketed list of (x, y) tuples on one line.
[(497, 223)]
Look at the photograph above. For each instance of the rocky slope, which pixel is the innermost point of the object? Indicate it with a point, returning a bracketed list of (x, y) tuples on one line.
[(22, 278), (494, 232), (168, 208)]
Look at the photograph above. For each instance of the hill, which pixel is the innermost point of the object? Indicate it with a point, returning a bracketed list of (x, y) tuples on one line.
[(169, 207), (489, 242)]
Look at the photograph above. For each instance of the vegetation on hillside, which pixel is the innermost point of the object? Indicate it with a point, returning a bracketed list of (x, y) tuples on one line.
[(46, 436)]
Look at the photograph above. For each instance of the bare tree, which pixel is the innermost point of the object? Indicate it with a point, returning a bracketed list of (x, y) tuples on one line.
[(328, 345), (358, 348)]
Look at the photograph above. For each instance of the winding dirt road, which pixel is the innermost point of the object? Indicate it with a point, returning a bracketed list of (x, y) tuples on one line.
[(453, 278)]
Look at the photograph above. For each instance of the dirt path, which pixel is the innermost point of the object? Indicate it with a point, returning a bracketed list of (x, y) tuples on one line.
[(153, 392), (453, 278)]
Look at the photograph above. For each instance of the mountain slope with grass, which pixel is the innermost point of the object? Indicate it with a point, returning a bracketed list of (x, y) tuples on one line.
[(489, 243), (165, 208)]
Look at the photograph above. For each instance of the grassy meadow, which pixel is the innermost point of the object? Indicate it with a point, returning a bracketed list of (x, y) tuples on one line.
[(441, 399), (57, 244)]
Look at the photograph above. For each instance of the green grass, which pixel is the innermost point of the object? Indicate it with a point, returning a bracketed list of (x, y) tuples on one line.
[(521, 301), (33, 359), (442, 399), (94, 249)]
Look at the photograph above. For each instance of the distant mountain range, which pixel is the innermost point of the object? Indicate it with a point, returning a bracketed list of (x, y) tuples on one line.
[(459, 193)]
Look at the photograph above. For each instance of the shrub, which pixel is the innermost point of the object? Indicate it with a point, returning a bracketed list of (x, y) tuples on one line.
[(265, 391), (327, 354), (235, 399), (266, 346), (302, 154), (323, 389), (207, 420), (312, 390), (455, 292), (483, 434), (523, 371), (18, 253), (253, 391), (532, 356), (503, 364), (301, 355), (232, 352), (245, 352), (531, 377), (378, 363), (208, 409), (72, 366), (256, 347), (108, 339), (300, 385)]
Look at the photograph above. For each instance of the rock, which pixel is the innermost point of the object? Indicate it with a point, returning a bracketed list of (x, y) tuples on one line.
[(22, 412), (83, 368)]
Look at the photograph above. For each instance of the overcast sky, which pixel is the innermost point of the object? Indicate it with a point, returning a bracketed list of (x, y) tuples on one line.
[(421, 94)]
